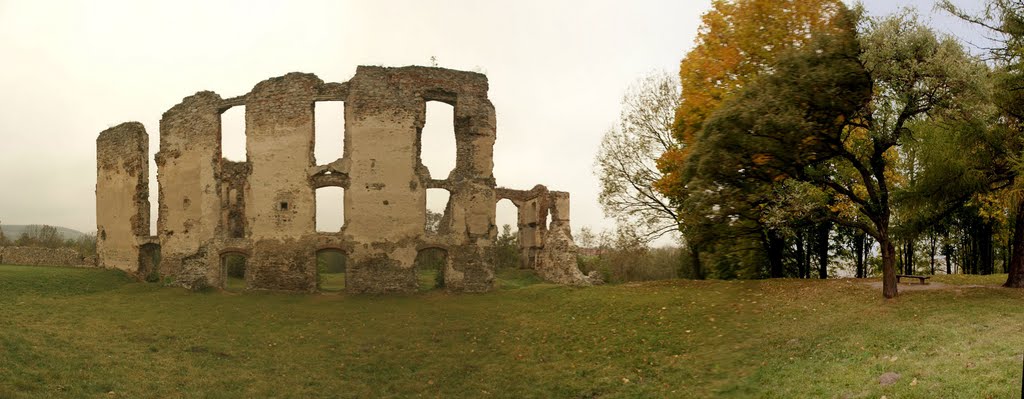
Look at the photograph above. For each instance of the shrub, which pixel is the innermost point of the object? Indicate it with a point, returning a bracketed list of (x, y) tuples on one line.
[(624, 257)]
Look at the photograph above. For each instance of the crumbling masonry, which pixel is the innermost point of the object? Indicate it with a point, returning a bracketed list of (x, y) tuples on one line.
[(264, 208)]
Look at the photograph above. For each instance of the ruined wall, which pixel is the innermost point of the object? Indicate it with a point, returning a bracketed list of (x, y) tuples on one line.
[(557, 258), (188, 166), (36, 256), (532, 206), (385, 206), (122, 194), (280, 210), (264, 208), (546, 248), (234, 183)]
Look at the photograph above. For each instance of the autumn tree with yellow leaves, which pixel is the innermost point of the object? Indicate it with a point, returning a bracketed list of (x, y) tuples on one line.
[(832, 115), (737, 41)]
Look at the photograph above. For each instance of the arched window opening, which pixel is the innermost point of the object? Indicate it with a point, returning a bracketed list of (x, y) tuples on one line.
[(506, 243), (506, 213)]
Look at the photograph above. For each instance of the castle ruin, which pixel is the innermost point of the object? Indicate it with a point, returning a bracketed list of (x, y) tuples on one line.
[(264, 208)]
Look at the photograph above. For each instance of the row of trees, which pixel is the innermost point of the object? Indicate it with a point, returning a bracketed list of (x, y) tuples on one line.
[(49, 237), (804, 131)]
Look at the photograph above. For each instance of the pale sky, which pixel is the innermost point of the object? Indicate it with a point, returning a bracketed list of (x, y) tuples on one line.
[(557, 72)]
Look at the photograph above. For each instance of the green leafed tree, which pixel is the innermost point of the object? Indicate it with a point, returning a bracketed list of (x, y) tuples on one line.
[(1005, 20), (737, 41), (834, 113)]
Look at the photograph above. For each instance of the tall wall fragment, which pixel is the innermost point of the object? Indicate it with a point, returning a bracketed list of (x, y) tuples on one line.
[(281, 209), (122, 195), (188, 167)]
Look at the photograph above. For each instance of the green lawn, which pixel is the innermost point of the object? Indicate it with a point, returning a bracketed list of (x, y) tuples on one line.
[(335, 282), (92, 333)]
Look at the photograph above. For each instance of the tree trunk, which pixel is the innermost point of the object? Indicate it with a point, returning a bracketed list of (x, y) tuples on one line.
[(949, 260), (698, 272), (988, 263), (808, 251), (908, 256), (774, 245), (901, 257), (800, 253), (889, 289), (947, 253), (932, 247), (868, 244), (1015, 278), (822, 246), (858, 250), (967, 255), (1007, 252)]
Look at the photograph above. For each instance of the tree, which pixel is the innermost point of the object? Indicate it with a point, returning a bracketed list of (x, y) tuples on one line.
[(4, 241), (737, 41), (833, 114), (626, 160), (40, 236), (1005, 18), (585, 238), (85, 245)]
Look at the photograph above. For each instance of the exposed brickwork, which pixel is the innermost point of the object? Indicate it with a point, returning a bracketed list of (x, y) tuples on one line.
[(265, 207), (36, 256), (547, 248), (122, 194)]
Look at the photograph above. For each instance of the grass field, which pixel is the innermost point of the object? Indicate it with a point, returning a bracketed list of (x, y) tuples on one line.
[(81, 333)]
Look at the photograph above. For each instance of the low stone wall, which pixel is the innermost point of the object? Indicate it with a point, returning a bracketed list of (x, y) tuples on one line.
[(35, 256)]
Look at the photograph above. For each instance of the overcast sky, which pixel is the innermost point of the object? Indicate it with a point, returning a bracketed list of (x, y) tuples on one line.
[(557, 72)]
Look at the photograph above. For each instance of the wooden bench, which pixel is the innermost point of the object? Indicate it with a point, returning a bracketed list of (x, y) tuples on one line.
[(922, 278)]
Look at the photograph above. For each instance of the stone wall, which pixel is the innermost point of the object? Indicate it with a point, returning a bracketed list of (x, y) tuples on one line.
[(36, 256), (188, 171), (265, 207), (122, 194), (546, 247)]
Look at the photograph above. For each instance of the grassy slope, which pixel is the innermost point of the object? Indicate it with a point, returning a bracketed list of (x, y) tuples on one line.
[(86, 333)]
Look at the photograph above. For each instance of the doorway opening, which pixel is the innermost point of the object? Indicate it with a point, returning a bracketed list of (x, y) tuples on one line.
[(233, 265), (330, 268), (430, 265), (149, 262)]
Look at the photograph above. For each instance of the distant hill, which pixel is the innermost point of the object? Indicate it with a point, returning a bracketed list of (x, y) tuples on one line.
[(13, 231)]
